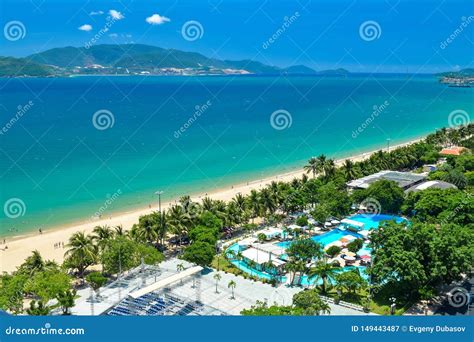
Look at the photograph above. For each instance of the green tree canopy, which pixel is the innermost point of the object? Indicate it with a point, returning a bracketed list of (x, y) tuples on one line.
[(304, 249), (387, 193), (200, 253)]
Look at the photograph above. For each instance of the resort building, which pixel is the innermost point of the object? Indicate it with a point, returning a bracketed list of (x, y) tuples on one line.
[(434, 184), (404, 180), (452, 151)]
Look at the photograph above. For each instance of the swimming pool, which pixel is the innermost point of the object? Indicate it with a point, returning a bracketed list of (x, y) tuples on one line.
[(373, 221), (370, 222)]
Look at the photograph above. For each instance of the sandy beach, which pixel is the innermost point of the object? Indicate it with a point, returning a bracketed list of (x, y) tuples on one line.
[(20, 247)]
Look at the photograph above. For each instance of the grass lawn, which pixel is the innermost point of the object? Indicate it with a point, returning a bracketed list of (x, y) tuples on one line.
[(379, 305), (222, 264)]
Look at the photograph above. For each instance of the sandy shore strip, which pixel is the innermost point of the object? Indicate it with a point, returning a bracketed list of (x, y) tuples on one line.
[(20, 247)]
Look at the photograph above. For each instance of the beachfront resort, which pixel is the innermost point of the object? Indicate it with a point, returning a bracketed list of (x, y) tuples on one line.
[(390, 234)]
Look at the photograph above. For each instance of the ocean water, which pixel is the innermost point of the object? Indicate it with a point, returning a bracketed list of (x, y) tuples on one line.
[(187, 135)]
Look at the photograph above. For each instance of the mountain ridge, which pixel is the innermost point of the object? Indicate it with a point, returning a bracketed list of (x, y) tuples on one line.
[(140, 59)]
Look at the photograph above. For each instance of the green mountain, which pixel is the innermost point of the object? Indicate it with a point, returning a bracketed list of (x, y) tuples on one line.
[(140, 59), (18, 67), (138, 56)]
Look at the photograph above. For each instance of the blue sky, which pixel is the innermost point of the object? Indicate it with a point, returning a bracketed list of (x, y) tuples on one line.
[(409, 35)]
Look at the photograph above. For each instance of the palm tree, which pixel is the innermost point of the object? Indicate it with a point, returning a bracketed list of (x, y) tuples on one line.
[(34, 263), (348, 169), (161, 226), (290, 267), (82, 252), (241, 205), (119, 231), (180, 268), (231, 255), (268, 205), (321, 161), (323, 270), (239, 201), (101, 235), (207, 204), (66, 300), (220, 210), (329, 168), (254, 203), (232, 284), (276, 193), (217, 277), (178, 221), (190, 208), (147, 228), (312, 166), (38, 309)]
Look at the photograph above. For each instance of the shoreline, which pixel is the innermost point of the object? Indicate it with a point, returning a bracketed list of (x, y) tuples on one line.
[(20, 246)]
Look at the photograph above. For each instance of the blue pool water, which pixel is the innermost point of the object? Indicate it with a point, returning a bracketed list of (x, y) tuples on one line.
[(370, 222), (373, 221)]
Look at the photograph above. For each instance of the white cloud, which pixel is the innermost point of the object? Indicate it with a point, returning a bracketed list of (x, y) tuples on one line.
[(116, 14), (85, 27), (96, 13), (157, 19), (113, 35)]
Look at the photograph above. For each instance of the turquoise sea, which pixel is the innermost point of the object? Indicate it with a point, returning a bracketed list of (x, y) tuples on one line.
[(189, 135)]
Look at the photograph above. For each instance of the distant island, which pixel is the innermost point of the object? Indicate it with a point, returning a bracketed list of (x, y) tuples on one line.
[(138, 59), (463, 78)]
